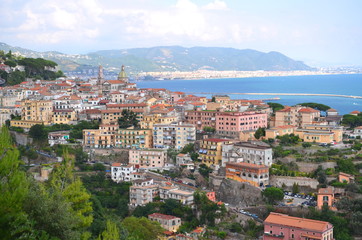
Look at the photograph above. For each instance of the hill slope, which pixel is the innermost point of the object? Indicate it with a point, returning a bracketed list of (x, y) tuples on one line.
[(171, 58)]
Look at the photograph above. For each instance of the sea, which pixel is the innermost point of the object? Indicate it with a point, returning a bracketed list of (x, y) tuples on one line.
[(341, 84)]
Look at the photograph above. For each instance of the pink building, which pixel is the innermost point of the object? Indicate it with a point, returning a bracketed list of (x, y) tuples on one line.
[(280, 226), (232, 123), (201, 119), (148, 158)]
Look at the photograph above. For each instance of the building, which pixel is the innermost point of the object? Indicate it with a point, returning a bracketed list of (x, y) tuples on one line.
[(60, 137), (175, 135), (5, 114), (279, 131), (134, 138), (325, 196), (232, 123), (122, 173), (281, 226), (344, 177), (64, 116), (184, 197), (255, 175), (148, 158), (168, 222), (149, 120), (296, 116), (210, 152), (249, 152), (34, 112), (201, 119), (320, 133), (141, 195)]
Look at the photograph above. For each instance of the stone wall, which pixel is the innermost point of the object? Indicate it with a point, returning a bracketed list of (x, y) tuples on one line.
[(21, 138), (305, 184), (311, 167)]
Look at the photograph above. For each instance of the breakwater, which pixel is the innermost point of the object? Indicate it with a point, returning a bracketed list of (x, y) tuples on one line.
[(286, 94)]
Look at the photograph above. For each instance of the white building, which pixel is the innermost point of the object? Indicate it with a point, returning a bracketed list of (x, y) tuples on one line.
[(123, 172), (247, 152)]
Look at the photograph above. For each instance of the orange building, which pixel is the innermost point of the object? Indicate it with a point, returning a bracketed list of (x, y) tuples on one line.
[(344, 177), (255, 175), (325, 196)]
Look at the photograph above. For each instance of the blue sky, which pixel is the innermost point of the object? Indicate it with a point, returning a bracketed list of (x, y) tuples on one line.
[(318, 32)]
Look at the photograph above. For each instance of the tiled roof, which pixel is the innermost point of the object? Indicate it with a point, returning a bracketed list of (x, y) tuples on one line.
[(307, 110), (216, 140), (302, 223), (116, 164), (162, 216)]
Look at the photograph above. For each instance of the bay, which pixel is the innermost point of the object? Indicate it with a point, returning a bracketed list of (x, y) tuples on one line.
[(341, 84)]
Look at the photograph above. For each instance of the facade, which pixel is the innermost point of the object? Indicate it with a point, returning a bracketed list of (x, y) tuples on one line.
[(201, 119), (232, 123), (255, 175), (5, 114), (168, 222), (141, 195), (210, 152), (122, 173), (59, 137), (296, 116), (344, 177), (64, 116), (134, 138), (175, 135), (320, 133), (325, 196), (184, 197), (148, 158), (281, 226), (149, 120), (248, 152), (279, 131), (34, 112)]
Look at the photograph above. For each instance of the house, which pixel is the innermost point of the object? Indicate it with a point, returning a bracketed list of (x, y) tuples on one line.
[(141, 195), (296, 116), (175, 135), (344, 177), (185, 197), (254, 174), (60, 137), (148, 158), (281, 226), (122, 173), (210, 152), (168, 222), (325, 196)]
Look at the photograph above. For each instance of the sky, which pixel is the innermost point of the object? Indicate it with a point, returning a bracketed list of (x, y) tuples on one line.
[(318, 32)]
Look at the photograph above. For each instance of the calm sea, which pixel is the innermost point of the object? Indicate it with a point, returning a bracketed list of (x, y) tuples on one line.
[(347, 84)]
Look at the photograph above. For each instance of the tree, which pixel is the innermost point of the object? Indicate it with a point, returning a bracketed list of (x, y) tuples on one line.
[(209, 129), (306, 145), (352, 120), (318, 106), (128, 119), (295, 188), (188, 148), (111, 232), (259, 133), (275, 106), (142, 228), (273, 194), (213, 99), (38, 132)]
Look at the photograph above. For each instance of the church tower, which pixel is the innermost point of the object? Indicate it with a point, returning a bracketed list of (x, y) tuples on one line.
[(100, 80), (122, 75)]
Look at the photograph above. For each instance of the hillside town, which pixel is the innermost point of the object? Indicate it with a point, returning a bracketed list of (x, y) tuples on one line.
[(268, 171)]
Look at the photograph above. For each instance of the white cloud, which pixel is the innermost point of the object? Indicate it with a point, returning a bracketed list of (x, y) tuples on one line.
[(217, 5)]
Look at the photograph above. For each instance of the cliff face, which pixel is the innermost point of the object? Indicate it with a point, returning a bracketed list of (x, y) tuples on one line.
[(239, 194)]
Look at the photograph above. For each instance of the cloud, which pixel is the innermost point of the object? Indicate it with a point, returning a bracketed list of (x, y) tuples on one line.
[(216, 5)]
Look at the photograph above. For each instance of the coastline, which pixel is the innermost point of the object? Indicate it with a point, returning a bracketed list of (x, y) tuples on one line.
[(209, 75)]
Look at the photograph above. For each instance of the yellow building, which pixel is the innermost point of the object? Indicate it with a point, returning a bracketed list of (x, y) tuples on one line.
[(111, 116), (34, 112), (104, 137), (279, 131), (64, 116), (320, 133), (210, 152), (149, 120), (134, 138)]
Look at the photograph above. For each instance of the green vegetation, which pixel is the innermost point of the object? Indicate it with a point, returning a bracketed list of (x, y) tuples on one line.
[(273, 194), (289, 139), (38, 68), (128, 119), (259, 133), (317, 106), (209, 129), (275, 106), (352, 121)]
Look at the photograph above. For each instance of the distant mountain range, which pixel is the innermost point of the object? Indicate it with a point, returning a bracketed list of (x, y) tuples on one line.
[(172, 58)]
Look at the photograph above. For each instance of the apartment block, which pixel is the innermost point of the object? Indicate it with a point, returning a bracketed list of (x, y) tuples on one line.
[(168, 222), (148, 158), (320, 133), (64, 116), (122, 173), (184, 197), (201, 119), (281, 226), (175, 135), (232, 123), (210, 152), (296, 116), (34, 112), (248, 152), (141, 195), (149, 120), (255, 175), (134, 138)]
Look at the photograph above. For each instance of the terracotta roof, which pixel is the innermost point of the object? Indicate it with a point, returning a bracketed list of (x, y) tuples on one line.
[(303, 223), (116, 164), (287, 109), (307, 110), (162, 216), (126, 105), (246, 165), (345, 174), (331, 110), (216, 140), (326, 191), (116, 82), (355, 112)]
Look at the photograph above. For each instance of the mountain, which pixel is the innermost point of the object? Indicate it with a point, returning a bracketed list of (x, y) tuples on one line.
[(170, 58)]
